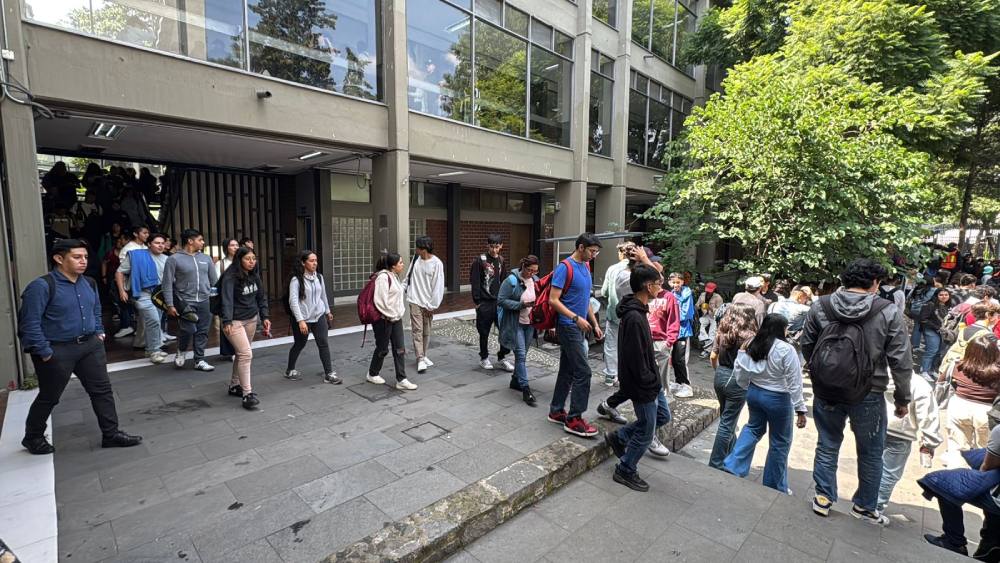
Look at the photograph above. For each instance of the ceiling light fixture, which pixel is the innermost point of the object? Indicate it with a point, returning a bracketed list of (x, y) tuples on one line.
[(105, 131), (446, 174), (310, 155)]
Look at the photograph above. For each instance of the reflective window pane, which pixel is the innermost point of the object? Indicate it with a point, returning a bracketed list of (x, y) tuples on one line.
[(439, 56), (601, 108), (657, 133), (551, 97), (541, 34), (686, 23), (606, 11), (564, 44), (501, 67), (516, 21), (491, 10), (640, 22), (607, 66), (663, 29), (328, 44), (636, 128)]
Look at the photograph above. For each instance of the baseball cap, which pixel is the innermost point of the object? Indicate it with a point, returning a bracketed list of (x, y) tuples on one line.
[(649, 254), (754, 282)]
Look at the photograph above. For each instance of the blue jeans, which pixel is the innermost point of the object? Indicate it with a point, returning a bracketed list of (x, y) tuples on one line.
[(574, 372), (770, 412), (150, 317), (523, 335), (638, 435), (932, 345), (731, 397), (897, 451), (918, 331), (868, 421)]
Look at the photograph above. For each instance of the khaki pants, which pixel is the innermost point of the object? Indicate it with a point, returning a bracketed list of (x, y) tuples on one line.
[(240, 336), (968, 428), (420, 326)]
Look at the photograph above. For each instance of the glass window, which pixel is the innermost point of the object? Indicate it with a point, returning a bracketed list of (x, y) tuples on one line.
[(491, 10), (686, 23), (439, 56), (492, 200), (657, 133), (517, 202), (601, 109), (467, 4), (640, 22), (541, 34), (328, 44), (423, 194), (223, 34), (636, 128), (551, 95), (516, 21), (564, 45), (607, 66), (663, 29), (606, 11), (470, 199), (501, 67)]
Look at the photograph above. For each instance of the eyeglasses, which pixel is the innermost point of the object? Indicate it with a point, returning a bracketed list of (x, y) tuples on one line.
[(594, 251)]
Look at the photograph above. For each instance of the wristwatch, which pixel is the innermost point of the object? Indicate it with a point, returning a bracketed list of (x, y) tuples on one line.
[(576, 318)]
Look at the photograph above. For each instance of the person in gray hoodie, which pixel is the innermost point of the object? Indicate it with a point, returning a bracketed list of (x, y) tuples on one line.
[(190, 276), (888, 347)]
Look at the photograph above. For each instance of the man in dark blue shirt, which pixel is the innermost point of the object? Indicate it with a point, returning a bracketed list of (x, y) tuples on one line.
[(62, 331)]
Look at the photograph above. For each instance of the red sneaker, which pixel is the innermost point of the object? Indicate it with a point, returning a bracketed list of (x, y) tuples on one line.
[(580, 427), (558, 417)]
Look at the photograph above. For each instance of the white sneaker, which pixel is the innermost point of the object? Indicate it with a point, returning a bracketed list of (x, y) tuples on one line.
[(506, 365), (202, 365), (684, 391), (158, 357), (376, 379), (421, 365), (179, 359), (428, 361), (674, 388), (168, 337), (124, 332), (486, 364), (405, 385), (657, 448)]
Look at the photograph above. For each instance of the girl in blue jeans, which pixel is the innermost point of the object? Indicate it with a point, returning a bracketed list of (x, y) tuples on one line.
[(770, 370), (737, 326), (931, 318), (515, 300)]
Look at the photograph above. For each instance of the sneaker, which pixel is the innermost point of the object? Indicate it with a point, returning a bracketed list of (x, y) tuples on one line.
[(606, 411), (421, 365), (405, 385), (528, 397), (579, 427), (506, 365), (558, 417), (293, 375), (703, 355), (428, 361), (333, 378), (250, 401), (157, 357), (942, 542), (657, 448), (870, 516), (822, 505), (616, 445), (376, 379), (674, 387), (179, 359), (486, 363), (235, 391), (633, 481), (168, 337), (202, 365), (124, 332), (684, 391)]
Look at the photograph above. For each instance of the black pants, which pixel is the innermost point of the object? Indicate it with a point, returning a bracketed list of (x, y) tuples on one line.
[(678, 359), (486, 317), (319, 330), (387, 333), (88, 361)]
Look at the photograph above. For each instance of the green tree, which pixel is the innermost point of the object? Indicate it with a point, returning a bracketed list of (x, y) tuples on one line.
[(117, 21), (735, 32), (291, 25)]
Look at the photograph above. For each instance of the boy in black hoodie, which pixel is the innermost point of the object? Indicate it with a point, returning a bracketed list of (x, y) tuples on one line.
[(639, 378)]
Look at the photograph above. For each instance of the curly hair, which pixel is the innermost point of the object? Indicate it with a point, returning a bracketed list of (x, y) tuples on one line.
[(738, 326), (862, 274), (981, 362)]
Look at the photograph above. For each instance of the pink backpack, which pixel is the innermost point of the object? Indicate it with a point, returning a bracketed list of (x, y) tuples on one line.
[(368, 313)]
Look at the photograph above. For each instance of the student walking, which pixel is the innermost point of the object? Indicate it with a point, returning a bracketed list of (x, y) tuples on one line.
[(311, 313), (143, 268), (389, 329), (976, 383), (769, 369), (921, 423), (516, 300), (485, 275), (932, 317), (682, 348), (137, 240), (608, 290), (424, 290), (189, 275), (736, 328), (708, 305), (639, 378), (230, 246), (244, 304), (60, 326)]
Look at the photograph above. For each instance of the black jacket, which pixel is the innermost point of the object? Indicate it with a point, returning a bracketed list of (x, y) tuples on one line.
[(242, 301), (637, 373), (485, 276)]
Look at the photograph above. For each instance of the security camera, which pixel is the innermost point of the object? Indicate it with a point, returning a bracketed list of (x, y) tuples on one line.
[(264, 94)]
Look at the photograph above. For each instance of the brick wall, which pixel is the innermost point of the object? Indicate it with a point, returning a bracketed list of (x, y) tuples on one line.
[(473, 243), (437, 229)]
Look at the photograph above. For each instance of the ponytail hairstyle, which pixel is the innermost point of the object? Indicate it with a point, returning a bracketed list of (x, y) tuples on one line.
[(299, 271), (529, 260)]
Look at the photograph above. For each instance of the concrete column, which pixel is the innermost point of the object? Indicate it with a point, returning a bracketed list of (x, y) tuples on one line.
[(22, 257), (610, 216), (571, 213), (580, 118), (454, 273)]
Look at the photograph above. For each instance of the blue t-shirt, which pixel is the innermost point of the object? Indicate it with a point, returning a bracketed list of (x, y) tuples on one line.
[(577, 296)]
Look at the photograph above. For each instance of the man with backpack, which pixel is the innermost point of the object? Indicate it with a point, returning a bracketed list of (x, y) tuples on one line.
[(486, 274), (849, 340), (569, 296), (190, 276), (60, 326), (892, 291)]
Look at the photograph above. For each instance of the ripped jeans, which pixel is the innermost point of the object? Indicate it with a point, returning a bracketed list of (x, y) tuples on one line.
[(388, 333)]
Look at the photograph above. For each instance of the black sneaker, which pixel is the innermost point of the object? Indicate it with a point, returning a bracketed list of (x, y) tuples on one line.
[(235, 391), (633, 481), (120, 440), (943, 543), (607, 411), (250, 401), (617, 447), (38, 446), (528, 397)]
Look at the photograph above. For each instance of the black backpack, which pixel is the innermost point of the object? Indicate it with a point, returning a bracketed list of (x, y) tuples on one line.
[(887, 294), (841, 367)]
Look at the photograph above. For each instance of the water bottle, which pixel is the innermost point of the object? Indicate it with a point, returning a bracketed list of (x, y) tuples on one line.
[(925, 459)]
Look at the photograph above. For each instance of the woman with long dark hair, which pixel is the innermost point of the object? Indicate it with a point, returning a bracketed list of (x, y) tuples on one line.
[(976, 380), (737, 326), (931, 318), (310, 310), (515, 301), (770, 369), (389, 329), (229, 248), (244, 304)]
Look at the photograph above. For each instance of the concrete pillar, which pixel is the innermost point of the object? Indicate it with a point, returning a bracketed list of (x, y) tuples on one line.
[(580, 117), (454, 273), (22, 257), (571, 213), (610, 216)]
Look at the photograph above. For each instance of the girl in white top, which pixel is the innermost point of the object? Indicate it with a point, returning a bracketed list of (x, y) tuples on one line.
[(311, 313), (389, 329)]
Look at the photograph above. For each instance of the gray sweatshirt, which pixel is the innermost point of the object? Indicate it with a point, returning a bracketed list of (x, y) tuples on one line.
[(190, 276), (315, 305)]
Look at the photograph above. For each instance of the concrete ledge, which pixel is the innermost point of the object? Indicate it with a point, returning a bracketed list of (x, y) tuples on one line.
[(448, 525)]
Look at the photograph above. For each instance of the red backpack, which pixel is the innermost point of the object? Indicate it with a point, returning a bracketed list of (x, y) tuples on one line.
[(368, 313), (543, 315)]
